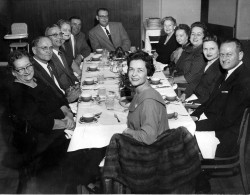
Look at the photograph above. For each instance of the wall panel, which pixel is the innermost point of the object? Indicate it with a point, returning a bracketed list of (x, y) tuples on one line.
[(39, 14)]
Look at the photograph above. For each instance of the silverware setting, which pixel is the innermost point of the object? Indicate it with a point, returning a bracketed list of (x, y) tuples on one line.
[(118, 120)]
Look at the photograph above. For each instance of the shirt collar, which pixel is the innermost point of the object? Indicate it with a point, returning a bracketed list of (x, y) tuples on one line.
[(229, 72)]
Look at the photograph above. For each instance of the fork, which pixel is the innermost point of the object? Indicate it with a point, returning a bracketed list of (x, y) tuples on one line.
[(115, 115)]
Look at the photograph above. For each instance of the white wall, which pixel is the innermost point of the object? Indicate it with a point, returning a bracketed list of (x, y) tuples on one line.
[(222, 12), (243, 20), (184, 11)]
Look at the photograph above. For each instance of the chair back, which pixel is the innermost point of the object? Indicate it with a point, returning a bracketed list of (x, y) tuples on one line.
[(241, 142), (19, 28)]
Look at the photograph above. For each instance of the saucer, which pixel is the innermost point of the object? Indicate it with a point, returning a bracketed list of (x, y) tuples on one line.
[(92, 122), (88, 70), (160, 83)]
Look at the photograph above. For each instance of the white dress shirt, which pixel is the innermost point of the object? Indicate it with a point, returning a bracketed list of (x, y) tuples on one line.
[(45, 67), (56, 52)]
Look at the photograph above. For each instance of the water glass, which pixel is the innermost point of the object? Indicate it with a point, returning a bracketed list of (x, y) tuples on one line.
[(100, 78), (102, 92), (110, 101)]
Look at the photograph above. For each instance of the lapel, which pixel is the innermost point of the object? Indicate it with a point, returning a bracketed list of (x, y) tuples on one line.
[(103, 35), (213, 67), (59, 65), (227, 84), (45, 77)]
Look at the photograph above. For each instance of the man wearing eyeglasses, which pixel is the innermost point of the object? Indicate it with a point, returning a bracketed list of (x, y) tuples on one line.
[(108, 35), (67, 80), (42, 49)]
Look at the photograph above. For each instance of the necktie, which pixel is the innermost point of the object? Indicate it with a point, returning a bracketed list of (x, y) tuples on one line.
[(109, 35), (224, 78), (64, 62), (51, 72)]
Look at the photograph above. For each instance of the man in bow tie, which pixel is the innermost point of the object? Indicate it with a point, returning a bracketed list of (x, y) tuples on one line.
[(108, 35)]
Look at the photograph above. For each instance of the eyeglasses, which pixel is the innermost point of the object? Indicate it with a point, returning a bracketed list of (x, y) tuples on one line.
[(55, 35), (25, 69), (46, 48), (227, 55), (104, 16)]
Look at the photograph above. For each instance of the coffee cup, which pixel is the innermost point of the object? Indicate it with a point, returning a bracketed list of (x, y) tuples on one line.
[(86, 97), (93, 67), (155, 80), (87, 117), (89, 81)]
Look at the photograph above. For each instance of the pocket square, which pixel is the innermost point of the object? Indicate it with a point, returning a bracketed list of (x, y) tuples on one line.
[(224, 91)]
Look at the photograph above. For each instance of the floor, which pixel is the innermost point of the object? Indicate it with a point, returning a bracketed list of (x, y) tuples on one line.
[(9, 177)]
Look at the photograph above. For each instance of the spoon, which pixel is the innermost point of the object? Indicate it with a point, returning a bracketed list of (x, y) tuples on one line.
[(115, 115)]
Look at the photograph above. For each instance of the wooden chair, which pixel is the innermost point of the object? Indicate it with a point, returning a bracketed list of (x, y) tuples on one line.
[(234, 164), (18, 31)]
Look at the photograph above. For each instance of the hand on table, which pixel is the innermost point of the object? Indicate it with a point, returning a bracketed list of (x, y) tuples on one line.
[(183, 97), (69, 122)]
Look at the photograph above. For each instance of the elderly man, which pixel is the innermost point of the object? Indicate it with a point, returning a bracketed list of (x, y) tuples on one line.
[(108, 35), (81, 46), (67, 79), (42, 49), (223, 111)]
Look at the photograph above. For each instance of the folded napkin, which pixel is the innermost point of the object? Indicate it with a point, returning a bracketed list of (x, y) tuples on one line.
[(207, 142), (89, 87), (73, 107), (191, 98), (68, 133), (159, 66)]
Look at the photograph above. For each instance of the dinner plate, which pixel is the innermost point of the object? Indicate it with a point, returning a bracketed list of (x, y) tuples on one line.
[(125, 101)]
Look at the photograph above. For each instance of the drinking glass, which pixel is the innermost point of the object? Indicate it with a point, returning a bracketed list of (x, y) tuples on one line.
[(110, 100), (102, 92), (100, 78)]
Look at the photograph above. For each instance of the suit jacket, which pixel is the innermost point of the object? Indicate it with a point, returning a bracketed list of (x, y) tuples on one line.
[(164, 51), (45, 77), (208, 81), (81, 45), (68, 51), (191, 64), (65, 73), (224, 109), (99, 39)]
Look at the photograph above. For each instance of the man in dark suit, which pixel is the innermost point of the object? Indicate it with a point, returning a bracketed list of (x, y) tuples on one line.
[(81, 46), (67, 80), (42, 49), (108, 35), (224, 109)]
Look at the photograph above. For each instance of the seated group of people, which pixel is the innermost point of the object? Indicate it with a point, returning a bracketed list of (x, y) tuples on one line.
[(212, 74), (46, 83)]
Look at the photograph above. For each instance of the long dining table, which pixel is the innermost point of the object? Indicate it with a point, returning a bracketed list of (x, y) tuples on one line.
[(98, 133)]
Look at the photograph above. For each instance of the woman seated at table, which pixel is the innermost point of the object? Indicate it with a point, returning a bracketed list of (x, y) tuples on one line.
[(167, 43), (191, 64), (211, 73), (182, 33), (147, 117), (67, 47), (34, 102)]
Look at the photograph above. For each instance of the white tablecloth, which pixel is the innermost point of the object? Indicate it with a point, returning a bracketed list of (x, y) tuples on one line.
[(98, 134)]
